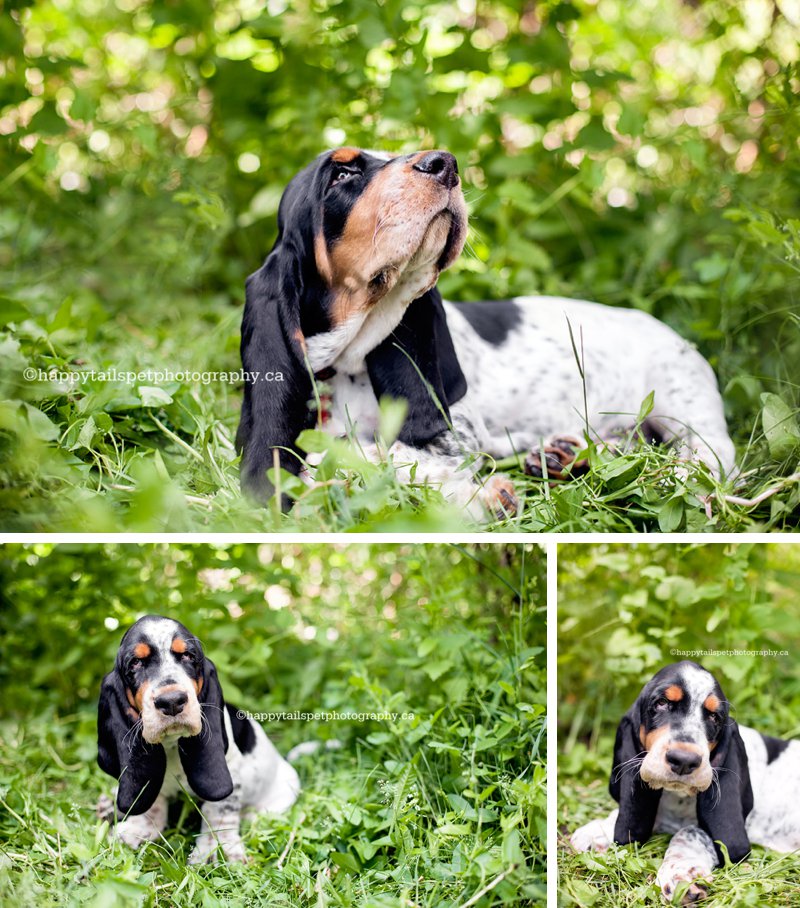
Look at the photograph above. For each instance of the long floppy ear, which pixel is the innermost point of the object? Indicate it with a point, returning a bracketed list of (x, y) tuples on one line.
[(638, 803), (273, 412), (418, 363), (723, 808), (203, 756), (123, 753)]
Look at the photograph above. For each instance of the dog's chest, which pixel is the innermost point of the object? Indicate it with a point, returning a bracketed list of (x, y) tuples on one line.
[(675, 811), (175, 779), (348, 406)]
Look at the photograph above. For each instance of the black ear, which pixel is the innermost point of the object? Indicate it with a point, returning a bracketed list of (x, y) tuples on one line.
[(418, 363), (123, 753), (637, 802), (723, 808), (273, 412), (203, 756)]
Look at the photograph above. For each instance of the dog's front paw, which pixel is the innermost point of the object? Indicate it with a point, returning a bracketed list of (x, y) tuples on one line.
[(207, 850), (234, 852), (557, 459), (591, 837), (498, 496), (670, 876), (135, 831), (204, 851)]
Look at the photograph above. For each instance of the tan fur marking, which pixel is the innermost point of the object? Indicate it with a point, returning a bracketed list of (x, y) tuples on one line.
[(138, 700), (345, 155), (198, 684), (685, 745), (711, 703), (321, 258), (141, 651), (652, 737), (178, 645), (357, 254), (301, 340), (641, 734), (674, 693), (129, 695), (167, 688)]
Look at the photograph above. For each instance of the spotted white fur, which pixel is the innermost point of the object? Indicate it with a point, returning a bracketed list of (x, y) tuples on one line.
[(529, 388)]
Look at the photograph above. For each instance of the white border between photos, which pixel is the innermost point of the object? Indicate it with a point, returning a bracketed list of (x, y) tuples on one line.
[(548, 541)]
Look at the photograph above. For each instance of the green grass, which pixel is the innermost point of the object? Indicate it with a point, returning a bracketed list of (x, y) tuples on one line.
[(625, 877), (106, 456), (429, 811)]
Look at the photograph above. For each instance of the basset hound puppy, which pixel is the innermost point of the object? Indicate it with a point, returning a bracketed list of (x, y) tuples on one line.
[(683, 766), (164, 727), (345, 311)]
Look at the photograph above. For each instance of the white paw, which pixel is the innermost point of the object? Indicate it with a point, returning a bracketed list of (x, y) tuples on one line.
[(204, 851), (591, 837), (134, 834), (207, 851), (670, 876), (234, 852)]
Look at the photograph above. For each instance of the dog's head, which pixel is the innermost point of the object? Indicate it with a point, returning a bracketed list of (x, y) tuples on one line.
[(378, 224), (683, 718), (162, 690), (679, 736), (362, 239)]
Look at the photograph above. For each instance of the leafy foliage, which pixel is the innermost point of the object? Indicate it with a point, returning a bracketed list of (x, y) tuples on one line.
[(640, 154), (431, 809), (636, 609)]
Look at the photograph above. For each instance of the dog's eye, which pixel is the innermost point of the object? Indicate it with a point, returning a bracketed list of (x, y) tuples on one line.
[(343, 174), (715, 719), (134, 664), (379, 279), (662, 702), (187, 658)]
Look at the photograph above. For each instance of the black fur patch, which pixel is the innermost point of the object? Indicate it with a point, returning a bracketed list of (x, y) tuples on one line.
[(493, 321), (775, 747), (243, 733)]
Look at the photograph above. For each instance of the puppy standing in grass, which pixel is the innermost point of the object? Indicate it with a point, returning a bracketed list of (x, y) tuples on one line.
[(164, 727)]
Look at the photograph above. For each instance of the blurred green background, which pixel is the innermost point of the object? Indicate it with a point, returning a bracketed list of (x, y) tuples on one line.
[(622, 612), (429, 809), (640, 154)]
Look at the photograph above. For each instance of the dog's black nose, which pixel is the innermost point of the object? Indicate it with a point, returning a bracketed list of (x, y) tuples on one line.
[(441, 165), (171, 703), (682, 762)]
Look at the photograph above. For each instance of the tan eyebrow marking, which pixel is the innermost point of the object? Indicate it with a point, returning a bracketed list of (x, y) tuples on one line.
[(711, 703), (345, 155), (178, 645), (141, 651), (674, 693)]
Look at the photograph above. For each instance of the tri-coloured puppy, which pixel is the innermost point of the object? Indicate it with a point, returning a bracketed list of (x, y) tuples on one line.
[(164, 727), (345, 311), (682, 765)]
